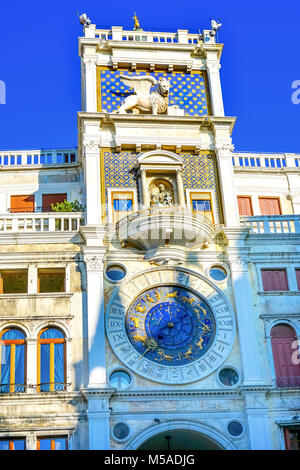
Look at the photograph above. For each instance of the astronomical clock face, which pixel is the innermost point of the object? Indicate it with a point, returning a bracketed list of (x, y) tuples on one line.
[(176, 332), (170, 325)]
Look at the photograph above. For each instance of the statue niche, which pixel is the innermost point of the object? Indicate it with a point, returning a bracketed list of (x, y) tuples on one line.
[(161, 193)]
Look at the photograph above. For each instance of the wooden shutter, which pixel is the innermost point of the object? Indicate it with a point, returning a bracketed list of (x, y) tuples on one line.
[(22, 203), (269, 206), (245, 206), (274, 280), (287, 373), (49, 199)]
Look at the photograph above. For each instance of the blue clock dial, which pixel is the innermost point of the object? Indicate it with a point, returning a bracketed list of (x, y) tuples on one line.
[(170, 325)]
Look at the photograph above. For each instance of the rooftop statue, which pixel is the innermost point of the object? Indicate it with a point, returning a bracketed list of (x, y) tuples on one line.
[(143, 101)]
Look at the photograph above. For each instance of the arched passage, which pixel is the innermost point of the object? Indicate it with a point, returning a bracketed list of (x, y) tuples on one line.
[(180, 435)]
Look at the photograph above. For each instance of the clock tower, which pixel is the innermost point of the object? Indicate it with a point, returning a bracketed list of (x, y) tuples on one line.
[(169, 309)]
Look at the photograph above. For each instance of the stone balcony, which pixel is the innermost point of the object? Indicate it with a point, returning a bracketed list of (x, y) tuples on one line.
[(40, 227), (152, 228)]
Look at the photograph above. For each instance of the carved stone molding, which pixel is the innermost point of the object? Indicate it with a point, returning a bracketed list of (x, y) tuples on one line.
[(90, 62), (224, 147), (238, 263), (91, 146), (213, 67)]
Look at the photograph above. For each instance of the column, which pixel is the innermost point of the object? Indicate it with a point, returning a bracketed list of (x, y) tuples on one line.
[(89, 84), (257, 418), (180, 188), (97, 392), (31, 365), (95, 316), (145, 193), (213, 73), (92, 181), (242, 290)]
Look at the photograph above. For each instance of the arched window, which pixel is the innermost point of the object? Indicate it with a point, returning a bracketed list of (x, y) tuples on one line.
[(284, 348), (12, 361), (51, 360)]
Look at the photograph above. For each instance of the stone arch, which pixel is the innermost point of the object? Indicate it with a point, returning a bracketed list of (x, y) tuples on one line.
[(208, 432)]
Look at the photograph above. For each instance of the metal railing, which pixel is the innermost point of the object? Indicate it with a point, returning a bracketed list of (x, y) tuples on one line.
[(47, 387), (271, 224)]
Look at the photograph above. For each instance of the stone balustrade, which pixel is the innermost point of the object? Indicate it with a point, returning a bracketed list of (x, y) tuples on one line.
[(29, 158), (41, 222), (272, 224)]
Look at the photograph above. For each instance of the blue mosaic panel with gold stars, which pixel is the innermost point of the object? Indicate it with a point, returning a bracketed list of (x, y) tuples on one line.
[(186, 90), (170, 325)]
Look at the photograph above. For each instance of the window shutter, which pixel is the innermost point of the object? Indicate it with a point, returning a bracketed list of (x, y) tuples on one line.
[(287, 373), (49, 199), (274, 280), (269, 206), (22, 203), (244, 204)]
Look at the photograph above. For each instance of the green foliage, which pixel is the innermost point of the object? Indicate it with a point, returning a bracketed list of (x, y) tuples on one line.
[(67, 206)]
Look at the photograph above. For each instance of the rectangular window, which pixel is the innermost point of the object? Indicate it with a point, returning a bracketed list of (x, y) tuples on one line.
[(269, 205), (49, 199), (274, 280), (12, 444), (122, 203), (245, 205), (51, 280), (292, 438), (13, 281), (52, 443), (201, 202), (23, 203)]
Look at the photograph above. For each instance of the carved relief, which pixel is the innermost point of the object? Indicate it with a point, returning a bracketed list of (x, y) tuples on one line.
[(161, 193)]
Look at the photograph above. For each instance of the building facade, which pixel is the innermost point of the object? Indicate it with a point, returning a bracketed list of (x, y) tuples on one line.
[(162, 310)]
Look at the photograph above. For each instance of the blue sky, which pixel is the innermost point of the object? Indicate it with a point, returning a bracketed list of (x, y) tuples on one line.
[(41, 68)]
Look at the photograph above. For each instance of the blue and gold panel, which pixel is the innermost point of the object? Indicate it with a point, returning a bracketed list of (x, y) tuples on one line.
[(198, 172), (170, 325), (187, 90)]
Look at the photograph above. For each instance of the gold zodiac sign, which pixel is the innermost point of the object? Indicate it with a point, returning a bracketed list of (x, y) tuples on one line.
[(162, 355), (150, 345), (188, 353), (137, 322), (188, 300), (203, 310), (140, 308), (150, 299), (138, 338), (171, 294), (205, 328), (199, 344), (157, 295)]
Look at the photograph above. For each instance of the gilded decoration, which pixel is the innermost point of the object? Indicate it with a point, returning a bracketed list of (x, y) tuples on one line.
[(187, 91)]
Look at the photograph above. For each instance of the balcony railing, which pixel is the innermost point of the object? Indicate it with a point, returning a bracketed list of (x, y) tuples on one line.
[(272, 224), (41, 222), (35, 388), (29, 158)]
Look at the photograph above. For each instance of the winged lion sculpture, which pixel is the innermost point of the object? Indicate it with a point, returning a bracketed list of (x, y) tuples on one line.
[(143, 101)]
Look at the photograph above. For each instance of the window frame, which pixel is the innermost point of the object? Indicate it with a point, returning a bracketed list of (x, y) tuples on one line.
[(13, 271), (251, 205), (11, 441), (273, 198), (283, 269), (50, 341), (52, 439), (200, 192), (12, 366), (110, 196), (57, 270)]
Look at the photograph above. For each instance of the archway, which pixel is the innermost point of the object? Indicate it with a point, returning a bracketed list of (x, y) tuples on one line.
[(179, 440), (181, 435)]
